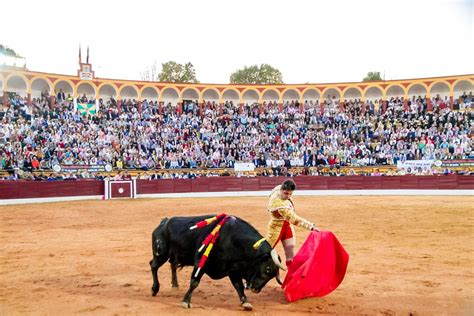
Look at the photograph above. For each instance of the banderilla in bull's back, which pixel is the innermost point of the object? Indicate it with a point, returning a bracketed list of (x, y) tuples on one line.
[(239, 252)]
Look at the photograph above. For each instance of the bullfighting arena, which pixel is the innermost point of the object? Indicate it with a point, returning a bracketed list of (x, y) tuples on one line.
[(409, 255)]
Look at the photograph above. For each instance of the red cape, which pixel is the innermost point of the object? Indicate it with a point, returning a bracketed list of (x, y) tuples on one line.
[(317, 269)]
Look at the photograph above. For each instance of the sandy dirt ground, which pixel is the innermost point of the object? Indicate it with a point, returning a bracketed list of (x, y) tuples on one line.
[(408, 256)]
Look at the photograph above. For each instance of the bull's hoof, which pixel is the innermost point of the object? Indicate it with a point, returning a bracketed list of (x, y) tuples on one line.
[(186, 305), (247, 306), (154, 290), (175, 287)]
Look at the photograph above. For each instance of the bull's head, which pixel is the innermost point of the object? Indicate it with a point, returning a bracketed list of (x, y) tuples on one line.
[(264, 271)]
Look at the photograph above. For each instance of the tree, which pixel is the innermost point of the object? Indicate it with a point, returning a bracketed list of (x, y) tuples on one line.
[(373, 76), (150, 73), (265, 74), (7, 51), (174, 72)]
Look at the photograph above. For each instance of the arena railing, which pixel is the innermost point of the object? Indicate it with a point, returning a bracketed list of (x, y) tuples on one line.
[(295, 171)]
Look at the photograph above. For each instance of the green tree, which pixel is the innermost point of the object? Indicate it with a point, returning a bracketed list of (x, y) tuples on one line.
[(373, 76), (174, 72), (7, 51), (265, 74)]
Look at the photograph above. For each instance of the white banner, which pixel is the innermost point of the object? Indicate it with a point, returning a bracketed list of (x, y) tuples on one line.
[(411, 166), (244, 166)]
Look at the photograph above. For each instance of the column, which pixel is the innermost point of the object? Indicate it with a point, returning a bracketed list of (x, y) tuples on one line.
[(29, 99), (52, 101), (119, 102), (451, 102), (321, 106)]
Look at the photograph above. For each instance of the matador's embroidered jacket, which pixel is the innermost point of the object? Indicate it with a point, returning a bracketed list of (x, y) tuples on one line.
[(280, 211)]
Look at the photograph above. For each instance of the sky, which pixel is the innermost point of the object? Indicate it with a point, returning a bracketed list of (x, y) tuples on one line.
[(308, 41)]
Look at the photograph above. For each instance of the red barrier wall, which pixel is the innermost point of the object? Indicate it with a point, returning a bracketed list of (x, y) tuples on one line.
[(38, 189), (220, 184), (44, 189)]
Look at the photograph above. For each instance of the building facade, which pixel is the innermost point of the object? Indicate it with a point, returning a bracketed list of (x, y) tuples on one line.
[(32, 84)]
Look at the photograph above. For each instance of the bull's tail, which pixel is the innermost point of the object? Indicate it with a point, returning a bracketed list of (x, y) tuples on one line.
[(157, 240), (160, 253)]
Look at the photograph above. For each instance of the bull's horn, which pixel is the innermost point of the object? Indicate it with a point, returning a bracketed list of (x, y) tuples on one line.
[(277, 260), (278, 278)]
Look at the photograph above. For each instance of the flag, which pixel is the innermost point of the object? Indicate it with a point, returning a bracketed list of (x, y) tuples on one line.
[(87, 108)]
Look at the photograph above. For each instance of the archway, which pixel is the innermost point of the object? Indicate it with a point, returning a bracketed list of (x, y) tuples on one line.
[(170, 98), (210, 99), (440, 92), (417, 91), (331, 99), (107, 92), (461, 87), (250, 99), (85, 90), (39, 87), (66, 87), (270, 100), (395, 91), (373, 99), (149, 94), (311, 99), (190, 99), (18, 85), (231, 99)]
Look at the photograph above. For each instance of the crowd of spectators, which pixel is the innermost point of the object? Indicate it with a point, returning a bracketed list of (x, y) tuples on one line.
[(39, 136)]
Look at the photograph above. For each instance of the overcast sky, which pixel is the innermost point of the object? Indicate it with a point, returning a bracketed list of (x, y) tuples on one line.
[(308, 41)]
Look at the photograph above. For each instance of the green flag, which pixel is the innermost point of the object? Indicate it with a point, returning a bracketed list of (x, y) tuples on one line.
[(86, 108)]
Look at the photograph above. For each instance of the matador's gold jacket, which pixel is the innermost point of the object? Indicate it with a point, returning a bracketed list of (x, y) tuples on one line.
[(280, 211)]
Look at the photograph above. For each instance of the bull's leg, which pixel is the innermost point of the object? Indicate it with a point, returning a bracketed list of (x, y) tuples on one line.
[(174, 278), (236, 279), (155, 264), (192, 286)]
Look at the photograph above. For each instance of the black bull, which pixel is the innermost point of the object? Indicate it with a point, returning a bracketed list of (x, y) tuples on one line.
[(233, 255)]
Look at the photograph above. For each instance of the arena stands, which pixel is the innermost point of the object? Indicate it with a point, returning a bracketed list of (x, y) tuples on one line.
[(281, 140)]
